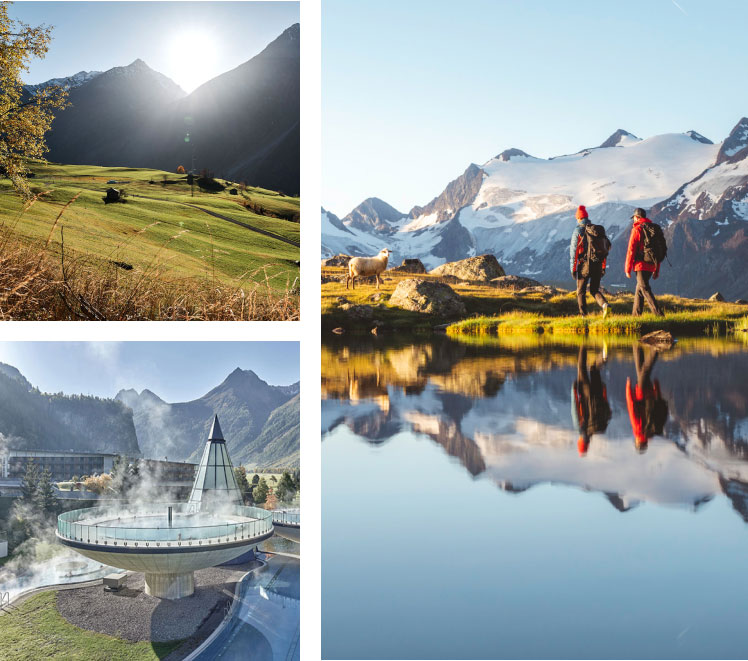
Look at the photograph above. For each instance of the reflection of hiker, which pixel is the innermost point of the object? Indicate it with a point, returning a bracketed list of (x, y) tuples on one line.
[(647, 408), (589, 401), (587, 254), (647, 249)]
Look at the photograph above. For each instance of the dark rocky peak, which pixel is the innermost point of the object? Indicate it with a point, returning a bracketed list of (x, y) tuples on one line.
[(134, 400), (698, 137), (150, 396), (735, 143), (243, 376), (616, 138), (373, 213), (459, 193), (141, 76), (285, 45), (507, 154)]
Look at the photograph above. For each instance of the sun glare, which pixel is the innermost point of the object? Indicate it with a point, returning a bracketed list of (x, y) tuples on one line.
[(192, 58)]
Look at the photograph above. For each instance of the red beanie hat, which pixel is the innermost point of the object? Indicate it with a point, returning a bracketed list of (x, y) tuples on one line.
[(582, 212)]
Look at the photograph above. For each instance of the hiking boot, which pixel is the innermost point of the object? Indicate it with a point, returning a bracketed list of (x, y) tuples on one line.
[(605, 310)]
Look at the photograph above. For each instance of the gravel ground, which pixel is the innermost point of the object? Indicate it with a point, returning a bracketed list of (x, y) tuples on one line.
[(131, 614)]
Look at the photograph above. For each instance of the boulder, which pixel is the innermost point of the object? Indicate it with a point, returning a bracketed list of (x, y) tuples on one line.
[(514, 282), (483, 268), (358, 312), (716, 296), (540, 289), (428, 297), (337, 260), (659, 338), (411, 266), (741, 301)]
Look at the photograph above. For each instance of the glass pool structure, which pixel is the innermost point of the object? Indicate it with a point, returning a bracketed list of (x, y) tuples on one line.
[(168, 542), (287, 523)]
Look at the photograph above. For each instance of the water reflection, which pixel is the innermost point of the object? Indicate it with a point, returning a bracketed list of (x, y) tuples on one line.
[(502, 411), (590, 410), (646, 406)]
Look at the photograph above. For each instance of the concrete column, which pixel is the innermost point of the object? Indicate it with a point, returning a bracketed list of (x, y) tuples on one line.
[(170, 586)]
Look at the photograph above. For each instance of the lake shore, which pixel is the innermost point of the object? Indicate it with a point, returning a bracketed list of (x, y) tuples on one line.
[(491, 310)]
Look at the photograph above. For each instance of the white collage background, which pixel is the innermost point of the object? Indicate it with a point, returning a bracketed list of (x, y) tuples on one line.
[(306, 331)]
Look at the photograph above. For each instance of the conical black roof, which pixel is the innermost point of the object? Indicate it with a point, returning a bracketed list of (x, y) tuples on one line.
[(215, 431)]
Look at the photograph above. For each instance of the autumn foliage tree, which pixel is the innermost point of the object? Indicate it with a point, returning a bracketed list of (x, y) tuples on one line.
[(24, 118), (180, 169)]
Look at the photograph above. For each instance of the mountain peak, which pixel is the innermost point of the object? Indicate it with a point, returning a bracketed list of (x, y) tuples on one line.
[(138, 64), (735, 143), (373, 213), (513, 152), (698, 137), (616, 138)]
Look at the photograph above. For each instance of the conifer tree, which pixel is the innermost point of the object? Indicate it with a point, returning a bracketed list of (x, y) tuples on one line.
[(45, 498), (30, 482)]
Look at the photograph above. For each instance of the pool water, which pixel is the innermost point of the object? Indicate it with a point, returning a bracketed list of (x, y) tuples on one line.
[(524, 499)]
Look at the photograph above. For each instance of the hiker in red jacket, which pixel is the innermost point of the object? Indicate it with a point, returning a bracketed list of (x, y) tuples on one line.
[(644, 270), (647, 407)]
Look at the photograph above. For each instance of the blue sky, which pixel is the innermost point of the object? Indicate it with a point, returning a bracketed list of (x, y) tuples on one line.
[(190, 42), (175, 371), (413, 92)]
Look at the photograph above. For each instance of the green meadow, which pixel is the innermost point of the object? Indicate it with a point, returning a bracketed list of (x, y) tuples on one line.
[(154, 234)]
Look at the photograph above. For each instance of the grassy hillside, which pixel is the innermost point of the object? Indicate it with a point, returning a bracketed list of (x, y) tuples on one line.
[(154, 246)]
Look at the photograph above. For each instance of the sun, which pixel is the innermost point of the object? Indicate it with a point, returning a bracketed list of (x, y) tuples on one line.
[(192, 55)]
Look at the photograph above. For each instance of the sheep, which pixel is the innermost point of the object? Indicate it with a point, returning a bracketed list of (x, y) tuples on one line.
[(363, 266)]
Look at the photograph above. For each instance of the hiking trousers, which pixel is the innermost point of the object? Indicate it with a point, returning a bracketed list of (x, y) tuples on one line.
[(644, 293), (593, 279)]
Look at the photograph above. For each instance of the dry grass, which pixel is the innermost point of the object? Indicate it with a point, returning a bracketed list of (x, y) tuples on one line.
[(37, 283)]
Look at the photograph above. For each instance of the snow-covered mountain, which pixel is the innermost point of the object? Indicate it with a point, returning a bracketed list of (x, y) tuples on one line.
[(521, 208), (69, 82)]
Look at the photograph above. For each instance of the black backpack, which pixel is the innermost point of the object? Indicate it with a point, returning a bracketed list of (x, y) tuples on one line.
[(654, 245), (598, 247), (598, 243), (654, 413)]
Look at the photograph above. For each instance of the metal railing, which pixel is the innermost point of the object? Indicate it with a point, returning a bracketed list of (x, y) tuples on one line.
[(287, 517), (150, 525)]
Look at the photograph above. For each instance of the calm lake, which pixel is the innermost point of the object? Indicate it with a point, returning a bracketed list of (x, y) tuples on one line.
[(525, 499)]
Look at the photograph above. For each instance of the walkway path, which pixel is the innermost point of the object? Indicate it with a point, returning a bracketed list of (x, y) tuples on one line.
[(265, 625)]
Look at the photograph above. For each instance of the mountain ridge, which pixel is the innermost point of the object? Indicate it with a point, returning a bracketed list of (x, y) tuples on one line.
[(242, 125), (243, 402), (521, 209)]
